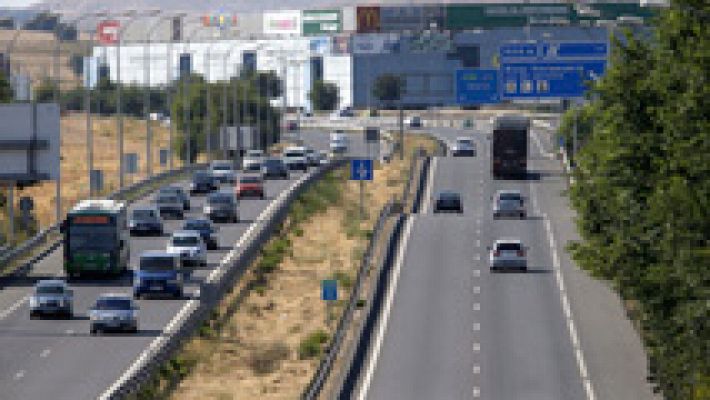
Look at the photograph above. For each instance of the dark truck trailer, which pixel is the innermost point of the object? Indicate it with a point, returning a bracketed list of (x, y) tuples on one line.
[(510, 147)]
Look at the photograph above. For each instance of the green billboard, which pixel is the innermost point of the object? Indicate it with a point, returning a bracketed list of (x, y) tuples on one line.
[(322, 22), (464, 16)]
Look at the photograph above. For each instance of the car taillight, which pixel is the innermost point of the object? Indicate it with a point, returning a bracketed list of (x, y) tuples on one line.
[(496, 253), (521, 253)]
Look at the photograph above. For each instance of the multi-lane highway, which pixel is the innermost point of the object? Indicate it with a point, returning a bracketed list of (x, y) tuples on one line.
[(58, 359), (451, 329)]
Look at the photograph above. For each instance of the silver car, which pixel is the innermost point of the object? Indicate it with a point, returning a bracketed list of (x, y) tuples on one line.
[(508, 203), (51, 297), (114, 312), (169, 204), (508, 254)]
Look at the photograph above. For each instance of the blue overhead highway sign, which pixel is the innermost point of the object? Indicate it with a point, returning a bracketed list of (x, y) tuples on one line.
[(552, 51), (361, 170), (477, 86), (560, 79)]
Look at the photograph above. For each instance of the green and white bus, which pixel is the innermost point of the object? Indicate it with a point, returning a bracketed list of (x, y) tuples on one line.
[(96, 239)]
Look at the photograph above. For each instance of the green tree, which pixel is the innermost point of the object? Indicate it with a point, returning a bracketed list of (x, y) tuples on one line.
[(388, 88), (6, 94), (324, 96), (642, 191)]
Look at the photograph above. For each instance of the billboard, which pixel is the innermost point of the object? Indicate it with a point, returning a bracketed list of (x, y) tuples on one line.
[(368, 19), (107, 31), (410, 18), (320, 22), (282, 23), (465, 16), (29, 142), (375, 43)]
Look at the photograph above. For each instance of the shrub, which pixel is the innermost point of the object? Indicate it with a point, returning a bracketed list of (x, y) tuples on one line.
[(311, 346), (266, 358)]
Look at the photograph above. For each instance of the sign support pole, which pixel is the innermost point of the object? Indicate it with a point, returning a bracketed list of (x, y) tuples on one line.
[(11, 212)]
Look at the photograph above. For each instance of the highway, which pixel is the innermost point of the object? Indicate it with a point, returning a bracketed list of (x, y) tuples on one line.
[(450, 329), (57, 359)]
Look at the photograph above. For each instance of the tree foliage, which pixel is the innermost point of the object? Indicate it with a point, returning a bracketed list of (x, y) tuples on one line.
[(643, 195), (388, 87), (324, 96), (6, 93)]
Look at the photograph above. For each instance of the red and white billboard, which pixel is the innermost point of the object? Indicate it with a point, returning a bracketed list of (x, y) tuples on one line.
[(107, 31)]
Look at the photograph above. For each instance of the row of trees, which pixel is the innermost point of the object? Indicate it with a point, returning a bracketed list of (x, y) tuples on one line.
[(642, 192)]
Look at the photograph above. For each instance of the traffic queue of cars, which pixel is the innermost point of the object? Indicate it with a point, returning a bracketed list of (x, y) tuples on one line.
[(162, 272)]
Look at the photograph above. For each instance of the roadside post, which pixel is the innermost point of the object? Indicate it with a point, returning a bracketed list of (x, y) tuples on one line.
[(329, 293), (361, 170), (372, 135)]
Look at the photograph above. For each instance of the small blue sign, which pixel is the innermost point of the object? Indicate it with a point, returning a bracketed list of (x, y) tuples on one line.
[(519, 50), (562, 79), (552, 51), (477, 86), (361, 170), (329, 289)]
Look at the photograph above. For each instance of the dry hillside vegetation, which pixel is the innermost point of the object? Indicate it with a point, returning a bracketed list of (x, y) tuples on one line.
[(75, 179), (269, 347)]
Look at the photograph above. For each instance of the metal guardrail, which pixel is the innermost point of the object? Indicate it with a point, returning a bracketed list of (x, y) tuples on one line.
[(195, 311), (41, 237)]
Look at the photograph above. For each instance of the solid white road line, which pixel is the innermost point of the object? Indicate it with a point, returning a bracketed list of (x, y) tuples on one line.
[(45, 353), (6, 312), (429, 185), (384, 317), (538, 144)]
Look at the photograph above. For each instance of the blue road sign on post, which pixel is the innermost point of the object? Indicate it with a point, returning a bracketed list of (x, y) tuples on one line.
[(361, 170), (549, 79), (477, 86), (329, 289)]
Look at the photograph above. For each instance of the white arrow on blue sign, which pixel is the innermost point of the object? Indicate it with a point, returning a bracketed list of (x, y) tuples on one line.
[(361, 170)]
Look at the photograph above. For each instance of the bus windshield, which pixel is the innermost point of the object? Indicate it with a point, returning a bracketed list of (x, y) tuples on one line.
[(92, 237)]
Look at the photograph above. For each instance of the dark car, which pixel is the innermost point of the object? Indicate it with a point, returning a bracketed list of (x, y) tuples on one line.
[(221, 206), (448, 202), (206, 230), (203, 182), (250, 185), (145, 220), (274, 168), (179, 192)]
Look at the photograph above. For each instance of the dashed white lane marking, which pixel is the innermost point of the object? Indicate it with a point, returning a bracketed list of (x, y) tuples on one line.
[(477, 257), (19, 375), (478, 242), (476, 347), (382, 328), (45, 353), (476, 369), (6, 312), (476, 326), (69, 332), (476, 306), (429, 185), (477, 289), (538, 144), (476, 272), (476, 392)]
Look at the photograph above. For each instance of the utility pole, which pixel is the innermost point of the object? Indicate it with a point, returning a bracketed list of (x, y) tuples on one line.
[(208, 106)]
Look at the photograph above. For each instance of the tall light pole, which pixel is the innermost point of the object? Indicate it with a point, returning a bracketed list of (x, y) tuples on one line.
[(119, 100), (223, 133), (186, 100)]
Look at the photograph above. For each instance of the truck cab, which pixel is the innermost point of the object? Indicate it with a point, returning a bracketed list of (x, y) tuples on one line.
[(158, 272)]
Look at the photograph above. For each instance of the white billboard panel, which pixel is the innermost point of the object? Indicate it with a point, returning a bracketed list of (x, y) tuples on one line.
[(282, 23), (29, 142)]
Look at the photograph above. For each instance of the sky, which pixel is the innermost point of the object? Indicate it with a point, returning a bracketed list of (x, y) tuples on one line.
[(17, 3)]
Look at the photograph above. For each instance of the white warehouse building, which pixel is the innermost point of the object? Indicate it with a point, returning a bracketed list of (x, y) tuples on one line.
[(221, 59)]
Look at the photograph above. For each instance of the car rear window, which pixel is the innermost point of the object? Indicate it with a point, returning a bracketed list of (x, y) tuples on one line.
[(468, 142), (201, 177), (509, 246), (509, 196), (220, 198), (157, 263), (448, 196), (250, 179), (143, 214), (113, 304), (221, 168), (50, 289), (168, 199), (196, 225), (185, 241)]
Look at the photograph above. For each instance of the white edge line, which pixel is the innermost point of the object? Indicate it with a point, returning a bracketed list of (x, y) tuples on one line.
[(429, 185), (190, 305), (384, 318), (6, 312)]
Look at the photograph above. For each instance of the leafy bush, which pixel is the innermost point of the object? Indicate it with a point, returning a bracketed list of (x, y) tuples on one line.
[(266, 358), (312, 345)]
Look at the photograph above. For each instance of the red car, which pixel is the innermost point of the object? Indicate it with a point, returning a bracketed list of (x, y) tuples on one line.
[(250, 185)]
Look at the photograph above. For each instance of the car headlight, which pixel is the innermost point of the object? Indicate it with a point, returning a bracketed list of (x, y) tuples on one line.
[(207, 209), (94, 317), (33, 302), (131, 224)]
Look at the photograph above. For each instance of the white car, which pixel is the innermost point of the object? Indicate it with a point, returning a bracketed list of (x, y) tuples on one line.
[(338, 142), (508, 254), (252, 160), (464, 146), (508, 203), (222, 171), (189, 246), (295, 158)]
